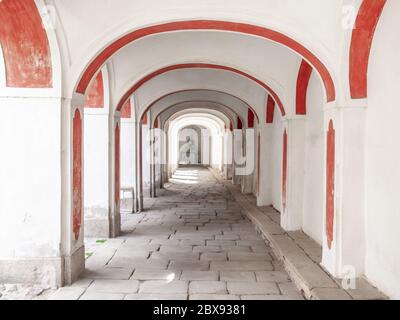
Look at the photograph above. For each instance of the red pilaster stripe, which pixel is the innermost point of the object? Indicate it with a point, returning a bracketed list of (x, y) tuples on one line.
[(284, 170), (330, 183), (77, 191)]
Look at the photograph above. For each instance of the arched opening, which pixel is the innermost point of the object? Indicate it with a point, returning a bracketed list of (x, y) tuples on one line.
[(168, 156)]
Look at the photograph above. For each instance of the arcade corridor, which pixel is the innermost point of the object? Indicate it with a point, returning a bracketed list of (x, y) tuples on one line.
[(193, 242), (284, 115)]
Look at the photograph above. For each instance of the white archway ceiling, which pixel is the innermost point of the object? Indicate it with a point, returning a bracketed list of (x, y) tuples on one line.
[(313, 23), (265, 60), (201, 79), (203, 98), (176, 112)]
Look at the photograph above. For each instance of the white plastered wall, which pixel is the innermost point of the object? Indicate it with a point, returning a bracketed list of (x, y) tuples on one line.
[(97, 158), (128, 150), (276, 163), (313, 205), (382, 262)]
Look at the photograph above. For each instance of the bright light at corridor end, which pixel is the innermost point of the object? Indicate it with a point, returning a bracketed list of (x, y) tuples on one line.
[(225, 146)]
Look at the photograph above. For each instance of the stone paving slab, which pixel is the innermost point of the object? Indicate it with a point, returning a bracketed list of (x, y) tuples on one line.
[(189, 265), (67, 293), (206, 297), (236, 276), (241, 266), (114, 286), (148, 274), (153, 296), (207, 287), (200, 275), (246, 288), (109, 273), (164, 287), (92, 295)]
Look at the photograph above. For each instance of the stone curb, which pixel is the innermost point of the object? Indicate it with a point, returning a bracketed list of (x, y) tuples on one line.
[(307, 275)]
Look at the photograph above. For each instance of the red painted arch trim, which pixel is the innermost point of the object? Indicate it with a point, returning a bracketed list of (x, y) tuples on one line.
[(183, 102), (250, 118), (360, 47), (240, 124), (199, 66), (25, 45), (244, 28), (180, 91), (303, 80), (270, 109), (144, 118)]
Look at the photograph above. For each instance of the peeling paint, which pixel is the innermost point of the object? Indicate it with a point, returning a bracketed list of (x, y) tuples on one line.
[(330, 183), (77, 173), (25, 45), (284, 170)]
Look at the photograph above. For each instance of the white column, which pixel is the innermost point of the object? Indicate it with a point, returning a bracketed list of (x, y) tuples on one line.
[(346, 253), (238, 155), (265, 186), (292, 216), (32, 169), (249, 169), (138, 201), (146, 156), (72, 241), (97, 168), (115, 186), (128, 171)]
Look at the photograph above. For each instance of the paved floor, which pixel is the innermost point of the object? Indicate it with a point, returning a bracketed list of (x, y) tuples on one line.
[(193, 243)]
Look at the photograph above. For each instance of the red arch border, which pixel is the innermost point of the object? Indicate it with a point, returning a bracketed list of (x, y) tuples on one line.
[(360, 47), (187, 90), (198, 66), (303, 80), (209, 101), (24, 41), (249, 29)]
